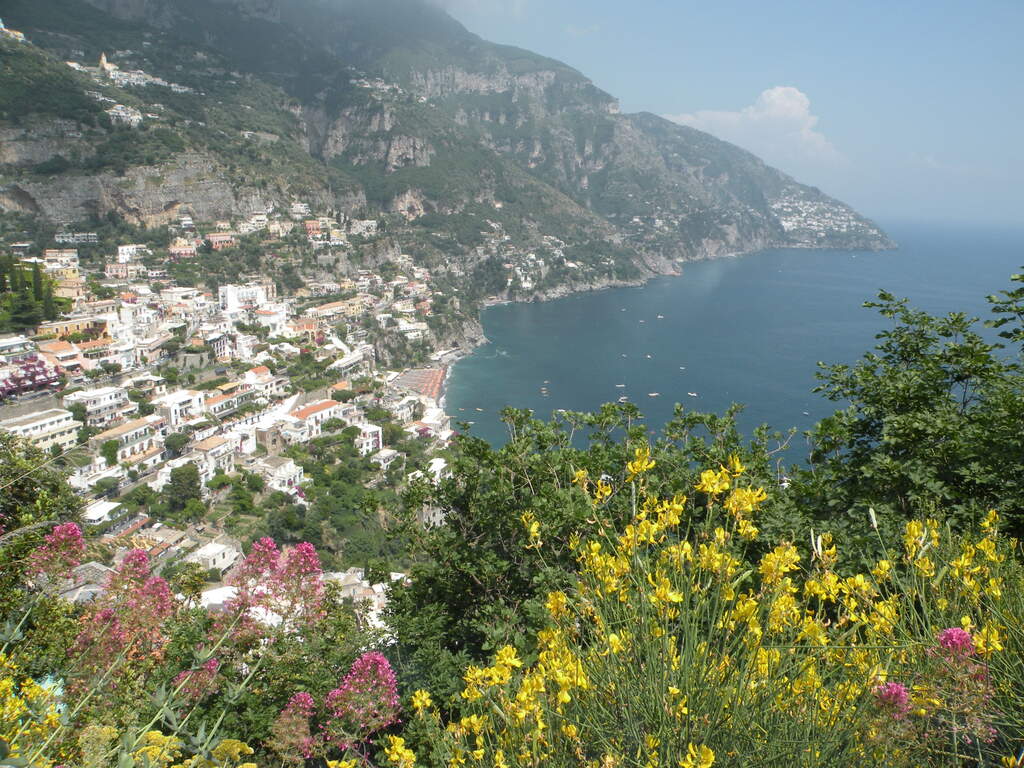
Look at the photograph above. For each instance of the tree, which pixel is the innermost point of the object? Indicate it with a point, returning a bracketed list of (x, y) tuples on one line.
[(176, 442), (49, 305), (33, 493), (37, 281), (182, 486), (189, 580), (109, 452), (26, 312), (932, 424)]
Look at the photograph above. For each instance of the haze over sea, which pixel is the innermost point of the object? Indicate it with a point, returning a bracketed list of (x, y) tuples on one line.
[(749, 330)]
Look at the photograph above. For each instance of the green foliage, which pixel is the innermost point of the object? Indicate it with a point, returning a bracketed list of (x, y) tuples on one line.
[(31, 492), (36, 84), (109, 452), (929, 425), (183, 487)]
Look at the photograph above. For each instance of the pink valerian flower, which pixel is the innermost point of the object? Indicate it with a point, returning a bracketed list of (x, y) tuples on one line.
[(288, 586), (364, 703), (129, 615), (956, 641), (197, 683), (292, 738), (895, 697), (62, 550)]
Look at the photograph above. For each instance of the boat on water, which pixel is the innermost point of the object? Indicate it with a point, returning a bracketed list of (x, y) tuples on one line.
[(692, 394), (620, 386), (481, 410), (654, 394), (648, 357), (682, 367), (623, 399), (661, 317)]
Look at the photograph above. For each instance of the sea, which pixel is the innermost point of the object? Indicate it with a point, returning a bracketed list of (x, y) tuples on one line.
[(750, 329)]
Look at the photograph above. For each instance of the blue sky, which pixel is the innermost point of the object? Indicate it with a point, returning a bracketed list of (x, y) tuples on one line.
[(906, 110)]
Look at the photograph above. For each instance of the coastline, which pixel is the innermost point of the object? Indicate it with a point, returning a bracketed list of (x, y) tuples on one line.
[(674, 268)]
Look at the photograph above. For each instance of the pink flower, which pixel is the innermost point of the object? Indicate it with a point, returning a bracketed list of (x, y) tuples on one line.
[(894, 696), (365, 702), (61, 551), (197, 683), (957, 641)]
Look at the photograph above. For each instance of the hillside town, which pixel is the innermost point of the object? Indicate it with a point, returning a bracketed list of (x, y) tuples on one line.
[(131, 389)]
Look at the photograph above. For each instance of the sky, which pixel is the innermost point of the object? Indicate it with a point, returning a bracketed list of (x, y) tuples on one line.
[(906, 110)]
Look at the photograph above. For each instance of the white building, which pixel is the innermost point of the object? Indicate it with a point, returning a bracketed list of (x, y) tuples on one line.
[(130, 252), (180, 406), (99, 512), (280, 473), (103, 406), (370, 439), (235, 298), (53, 427), (215, 555)]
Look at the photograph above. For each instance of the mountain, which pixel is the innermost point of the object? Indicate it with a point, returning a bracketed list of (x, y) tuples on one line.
[(390, 109)]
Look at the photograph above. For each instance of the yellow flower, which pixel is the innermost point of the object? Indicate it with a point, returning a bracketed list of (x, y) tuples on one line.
[(642, 462), (778, 562), (615, 644), (987, 640), (397, 753), (991, 521), (735, 465), (231, 751), (698, 757), (532, 526), (557, 604), (882, 570), (421, 700), (580, 477), (601, 491), (713, 483), (507, 656)]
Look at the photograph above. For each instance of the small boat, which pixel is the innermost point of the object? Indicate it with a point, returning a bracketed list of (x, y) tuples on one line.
[(661, 317), (620, 386), (481, 410), (462, 409), (692, 394), (682, 367), (643, 321), (623, 354), (807, 413), (653, 394), (623, 399), (622, 310), (648, 357)]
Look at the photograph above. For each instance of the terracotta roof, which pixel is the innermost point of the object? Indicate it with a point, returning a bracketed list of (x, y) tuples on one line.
[(210, 443), (259, 370), (309, 410), (217, 399), (95, 344), (123, 429), (56, 346)]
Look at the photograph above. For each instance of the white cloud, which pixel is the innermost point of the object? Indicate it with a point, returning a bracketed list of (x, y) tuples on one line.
[(778, 127)]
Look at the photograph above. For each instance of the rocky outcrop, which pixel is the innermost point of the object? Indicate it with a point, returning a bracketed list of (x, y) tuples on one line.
[(30, 145), (149, 195)]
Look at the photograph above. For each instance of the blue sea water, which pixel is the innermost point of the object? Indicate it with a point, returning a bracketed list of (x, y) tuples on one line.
[(749, 330)]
